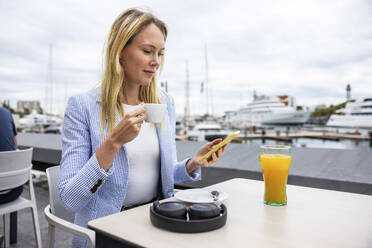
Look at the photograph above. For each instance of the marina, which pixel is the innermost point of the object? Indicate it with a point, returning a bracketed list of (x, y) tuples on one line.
[(321, 135), (299, 136), (278, 120), (268, 120), (311, 139)]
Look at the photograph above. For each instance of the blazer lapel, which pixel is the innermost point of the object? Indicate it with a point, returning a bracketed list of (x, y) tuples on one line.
[(166, 169)]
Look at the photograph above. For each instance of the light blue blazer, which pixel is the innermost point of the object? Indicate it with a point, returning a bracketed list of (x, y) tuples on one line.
[(87, 189)]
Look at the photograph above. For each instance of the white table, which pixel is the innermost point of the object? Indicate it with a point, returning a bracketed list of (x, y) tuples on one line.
[(312, 218)]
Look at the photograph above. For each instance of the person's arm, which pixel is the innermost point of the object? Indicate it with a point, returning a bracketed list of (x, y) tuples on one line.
[(14, 132), (83, 170), (79, 169), (15, 142)]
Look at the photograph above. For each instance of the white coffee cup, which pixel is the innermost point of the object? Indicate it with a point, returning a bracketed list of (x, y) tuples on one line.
[(155, 112)]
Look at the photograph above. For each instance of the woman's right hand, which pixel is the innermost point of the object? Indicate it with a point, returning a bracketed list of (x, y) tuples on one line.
[(128, 128)]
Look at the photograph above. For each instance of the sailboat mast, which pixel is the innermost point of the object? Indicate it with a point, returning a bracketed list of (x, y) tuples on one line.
[(66, 93), (206, 79), (187, 94), (50, 77), (46, 99)]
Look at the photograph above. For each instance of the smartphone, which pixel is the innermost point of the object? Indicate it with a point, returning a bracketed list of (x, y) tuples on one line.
[(219, 145)]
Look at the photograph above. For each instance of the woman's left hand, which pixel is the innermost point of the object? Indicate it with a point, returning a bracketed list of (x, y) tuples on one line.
[(194, 163)]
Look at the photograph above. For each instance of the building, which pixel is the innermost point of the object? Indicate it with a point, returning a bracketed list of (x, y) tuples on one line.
[(30, 105)]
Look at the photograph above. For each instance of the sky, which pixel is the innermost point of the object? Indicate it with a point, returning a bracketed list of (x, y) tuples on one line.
[(308, 49)]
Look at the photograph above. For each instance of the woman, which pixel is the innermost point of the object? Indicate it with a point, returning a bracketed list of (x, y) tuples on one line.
[(111, 158)]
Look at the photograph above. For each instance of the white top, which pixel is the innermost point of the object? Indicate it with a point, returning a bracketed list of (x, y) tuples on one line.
[(144, 164), (313, 218)]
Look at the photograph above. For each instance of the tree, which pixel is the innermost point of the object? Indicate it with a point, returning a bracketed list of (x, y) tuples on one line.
[(7, 106), (26, 111), (330, 110)]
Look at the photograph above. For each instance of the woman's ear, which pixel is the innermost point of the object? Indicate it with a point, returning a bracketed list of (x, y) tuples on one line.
[(121, 59)]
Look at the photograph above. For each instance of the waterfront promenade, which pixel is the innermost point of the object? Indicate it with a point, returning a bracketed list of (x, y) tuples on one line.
[(346, 170), (321, 134)]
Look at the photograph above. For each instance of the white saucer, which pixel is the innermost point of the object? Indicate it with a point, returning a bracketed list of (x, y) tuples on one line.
[(199, 196)]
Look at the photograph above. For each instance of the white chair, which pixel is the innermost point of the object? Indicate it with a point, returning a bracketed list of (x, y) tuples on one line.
[(58, 216), (15, 170)]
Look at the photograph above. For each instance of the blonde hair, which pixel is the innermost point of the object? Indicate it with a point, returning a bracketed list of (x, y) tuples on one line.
[(122, 32)]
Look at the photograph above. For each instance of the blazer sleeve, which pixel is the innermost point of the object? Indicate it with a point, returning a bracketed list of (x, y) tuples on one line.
[(80, 173), (179, 170)]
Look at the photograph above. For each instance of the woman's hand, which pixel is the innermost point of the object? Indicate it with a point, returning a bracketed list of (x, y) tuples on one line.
[(127, 129), (194, 163)]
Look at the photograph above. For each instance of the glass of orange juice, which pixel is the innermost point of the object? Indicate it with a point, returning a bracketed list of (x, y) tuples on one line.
[(275, 161)]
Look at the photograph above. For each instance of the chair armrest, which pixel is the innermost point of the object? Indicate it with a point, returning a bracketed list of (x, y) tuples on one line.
[(60, 223)]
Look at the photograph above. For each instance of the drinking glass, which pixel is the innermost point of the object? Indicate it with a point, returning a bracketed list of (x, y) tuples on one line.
[(275, 161)]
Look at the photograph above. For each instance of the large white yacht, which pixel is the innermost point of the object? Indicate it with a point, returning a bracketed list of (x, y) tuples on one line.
[(355, 114), (267, 110)]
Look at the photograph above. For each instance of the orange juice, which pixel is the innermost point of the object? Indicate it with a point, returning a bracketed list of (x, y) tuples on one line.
[(275, 169)]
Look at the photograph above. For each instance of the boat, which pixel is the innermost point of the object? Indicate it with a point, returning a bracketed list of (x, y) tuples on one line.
[(207, 131), (54, 129), (39, 120), (356, 114), (267, 110)]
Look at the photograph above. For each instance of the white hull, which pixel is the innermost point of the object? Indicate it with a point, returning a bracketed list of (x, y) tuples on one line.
[(38, 120), (350, 121), (207, 131), (266, 110), (297, 117), (206, 136), (287, 118)]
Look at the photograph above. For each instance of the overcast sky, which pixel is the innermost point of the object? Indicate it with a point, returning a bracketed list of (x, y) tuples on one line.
[(307, 49)]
